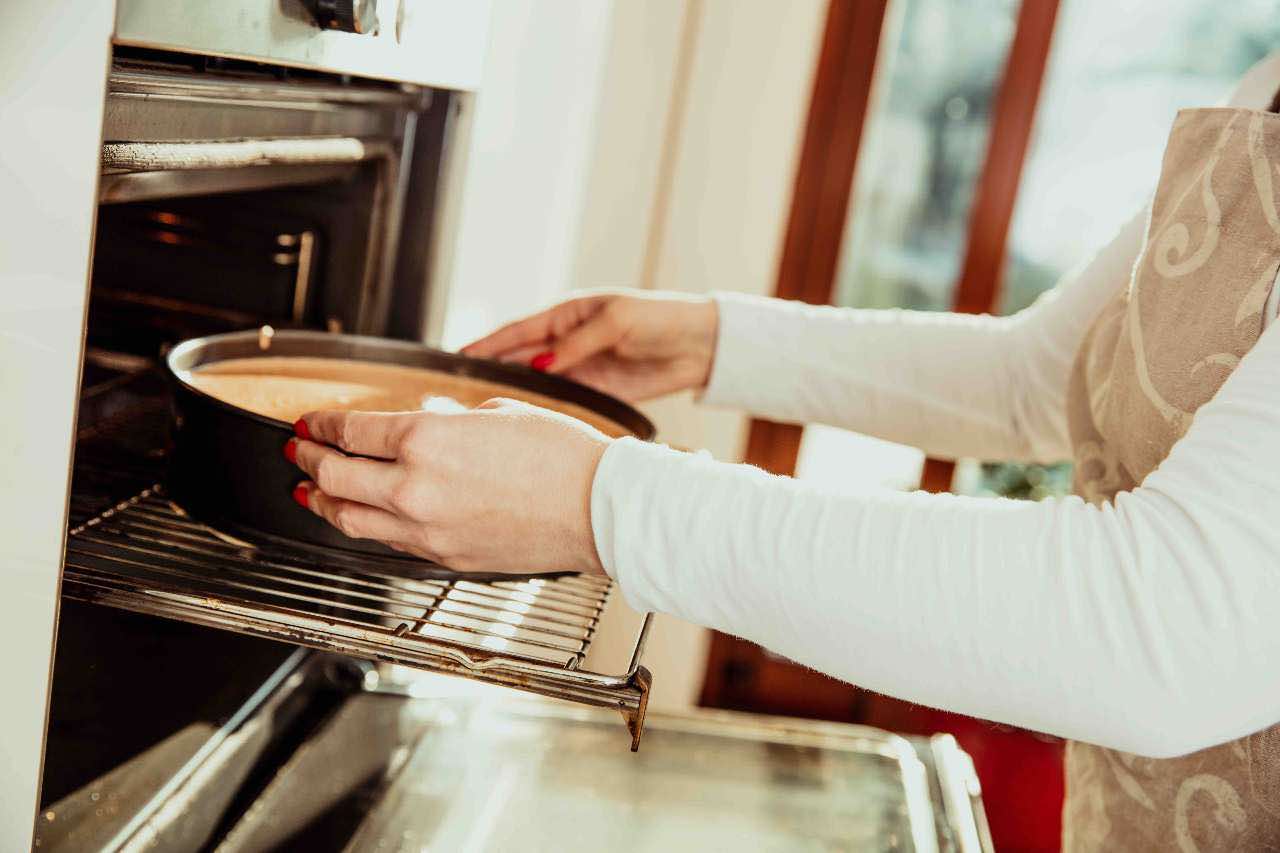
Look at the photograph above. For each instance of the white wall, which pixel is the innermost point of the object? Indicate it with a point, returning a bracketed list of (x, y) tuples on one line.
[(747, 100), (531, 139), (716, 221), (645, 144)]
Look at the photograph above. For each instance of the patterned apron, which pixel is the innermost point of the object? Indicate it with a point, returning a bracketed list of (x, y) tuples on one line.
[(1157, 352)]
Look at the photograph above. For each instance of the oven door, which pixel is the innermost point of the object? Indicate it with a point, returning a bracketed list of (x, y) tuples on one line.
[(54, 67)]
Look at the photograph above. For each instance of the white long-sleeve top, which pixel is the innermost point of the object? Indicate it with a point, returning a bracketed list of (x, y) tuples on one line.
[(1150, 624)]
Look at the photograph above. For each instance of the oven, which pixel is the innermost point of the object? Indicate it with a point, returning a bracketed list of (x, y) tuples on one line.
[(187, 168)]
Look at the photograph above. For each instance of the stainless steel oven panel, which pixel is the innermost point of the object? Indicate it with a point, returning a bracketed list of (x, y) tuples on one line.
[(431, 42), (176, 107)]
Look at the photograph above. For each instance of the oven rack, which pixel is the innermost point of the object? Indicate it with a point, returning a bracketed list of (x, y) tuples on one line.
[(130, 547), (144, 554)]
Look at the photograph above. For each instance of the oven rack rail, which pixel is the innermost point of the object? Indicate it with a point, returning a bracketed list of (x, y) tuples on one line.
[(145, 555)]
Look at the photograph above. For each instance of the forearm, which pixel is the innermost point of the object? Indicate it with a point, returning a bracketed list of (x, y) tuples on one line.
[(1146, 626), (892, 374), (953, 385)]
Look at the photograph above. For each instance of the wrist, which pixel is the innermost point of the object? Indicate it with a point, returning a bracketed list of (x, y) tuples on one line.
[(592, 563), (705, 323)]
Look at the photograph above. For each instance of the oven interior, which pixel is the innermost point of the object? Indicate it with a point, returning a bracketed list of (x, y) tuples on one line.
[(278, 246), (190, 669)]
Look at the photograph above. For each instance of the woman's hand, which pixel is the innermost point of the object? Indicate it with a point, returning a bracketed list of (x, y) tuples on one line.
[(505, 487), (634, 345)]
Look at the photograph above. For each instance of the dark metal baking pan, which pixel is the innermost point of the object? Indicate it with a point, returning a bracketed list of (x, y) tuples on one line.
[(227, 468)]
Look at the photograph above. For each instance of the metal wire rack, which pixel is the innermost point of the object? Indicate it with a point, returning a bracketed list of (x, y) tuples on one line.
[(142, 553)]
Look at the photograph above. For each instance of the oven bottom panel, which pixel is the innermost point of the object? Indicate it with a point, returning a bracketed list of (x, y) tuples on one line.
[(494, 772)]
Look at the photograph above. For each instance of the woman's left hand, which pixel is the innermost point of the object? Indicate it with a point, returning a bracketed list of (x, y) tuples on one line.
[(504, 487)]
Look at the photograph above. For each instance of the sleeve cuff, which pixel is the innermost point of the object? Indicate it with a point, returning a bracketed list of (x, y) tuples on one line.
[(624, 521), (741, 359), (623, 463), (609, 470)]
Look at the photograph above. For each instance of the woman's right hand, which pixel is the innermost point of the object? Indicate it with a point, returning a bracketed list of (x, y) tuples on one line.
[(635, 345)]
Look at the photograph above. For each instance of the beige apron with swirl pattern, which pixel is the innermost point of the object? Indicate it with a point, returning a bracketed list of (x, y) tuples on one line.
[(1157, 352)]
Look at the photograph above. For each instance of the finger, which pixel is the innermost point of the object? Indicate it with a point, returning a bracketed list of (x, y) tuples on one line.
[(413, 550), (601, 376), (537, 329), (357, 520), (522, 333), (632, 381), (368, 481), (591, 338), (376, 434), (523, 355)]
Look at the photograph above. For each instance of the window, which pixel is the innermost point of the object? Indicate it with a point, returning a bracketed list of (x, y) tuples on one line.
[(1118, 71), (922, 152), (1116, 77)]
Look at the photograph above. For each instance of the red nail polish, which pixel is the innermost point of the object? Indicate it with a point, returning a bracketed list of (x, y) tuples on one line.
[(300, 429), (543, 360), (302, 495), (291, 450)]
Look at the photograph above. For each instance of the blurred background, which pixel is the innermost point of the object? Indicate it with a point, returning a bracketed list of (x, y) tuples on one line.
[(928, 154)]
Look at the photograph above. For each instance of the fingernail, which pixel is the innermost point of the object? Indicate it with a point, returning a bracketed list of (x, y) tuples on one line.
[(300, 429), (302, 495), (291, 450), (542, 360)]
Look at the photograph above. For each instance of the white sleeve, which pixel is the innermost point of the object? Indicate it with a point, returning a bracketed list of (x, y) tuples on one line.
[(998, 383), (1150, 625)]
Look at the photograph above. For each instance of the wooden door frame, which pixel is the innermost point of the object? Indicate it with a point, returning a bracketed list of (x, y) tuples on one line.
[(842, 87), (816, 226), (824, 183), (738, 670), (1013, 115)]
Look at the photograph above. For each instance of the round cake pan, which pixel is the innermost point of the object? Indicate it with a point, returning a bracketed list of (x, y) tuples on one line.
[(227, 468)]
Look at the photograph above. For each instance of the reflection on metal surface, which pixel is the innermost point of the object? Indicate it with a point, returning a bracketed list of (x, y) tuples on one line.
[(92, 816), (536, 776), (487, 772), (172, 797), (348, 761)]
